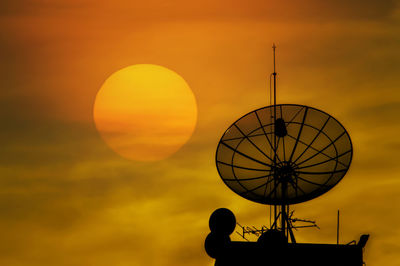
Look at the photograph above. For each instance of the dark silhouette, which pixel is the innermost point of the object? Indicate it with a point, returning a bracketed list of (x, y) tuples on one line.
[(272, 248), (298, 157), (279, 155)]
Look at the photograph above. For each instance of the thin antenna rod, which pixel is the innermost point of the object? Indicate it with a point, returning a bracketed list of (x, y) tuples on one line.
[(275, 148), (337, 230), (274, 48), (283, 207)]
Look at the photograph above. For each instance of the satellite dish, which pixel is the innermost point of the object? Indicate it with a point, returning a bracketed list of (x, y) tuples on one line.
[(284, 154)]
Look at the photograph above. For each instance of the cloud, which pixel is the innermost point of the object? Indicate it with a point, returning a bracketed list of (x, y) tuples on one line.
[(383, 114), (157, 10), (67, 199)]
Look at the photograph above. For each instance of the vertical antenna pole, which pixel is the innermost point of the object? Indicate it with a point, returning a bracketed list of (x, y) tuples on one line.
[(337, 229), (283, 213), (275, 148), (274, 48)]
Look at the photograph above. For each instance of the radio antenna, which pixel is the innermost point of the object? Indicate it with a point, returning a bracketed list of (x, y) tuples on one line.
[(274, 48)]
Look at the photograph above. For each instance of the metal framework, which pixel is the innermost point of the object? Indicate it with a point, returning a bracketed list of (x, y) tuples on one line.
[(283, 154)]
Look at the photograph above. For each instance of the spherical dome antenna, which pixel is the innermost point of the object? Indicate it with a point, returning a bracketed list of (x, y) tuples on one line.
[(222, 221), (284, 154)]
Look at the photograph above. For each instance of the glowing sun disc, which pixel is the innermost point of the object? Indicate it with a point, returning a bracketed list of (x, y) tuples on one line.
[(145, 112)]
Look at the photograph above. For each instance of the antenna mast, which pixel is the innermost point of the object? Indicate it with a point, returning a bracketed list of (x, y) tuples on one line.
[(274, 48), (284, 210), (276, 181)]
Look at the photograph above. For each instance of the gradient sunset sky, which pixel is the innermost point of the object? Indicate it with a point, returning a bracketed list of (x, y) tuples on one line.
[(67, 199)]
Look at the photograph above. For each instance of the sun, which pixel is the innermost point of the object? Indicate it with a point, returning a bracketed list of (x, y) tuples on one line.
[(145, 112)]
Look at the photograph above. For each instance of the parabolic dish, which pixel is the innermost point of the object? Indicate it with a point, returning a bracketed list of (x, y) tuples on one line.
[(284, 154)]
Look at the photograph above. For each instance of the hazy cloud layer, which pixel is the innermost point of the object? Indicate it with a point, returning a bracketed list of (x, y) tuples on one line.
[(256, 9), (67, 199)]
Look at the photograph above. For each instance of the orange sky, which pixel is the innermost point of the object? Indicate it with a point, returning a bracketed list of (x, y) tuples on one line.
[(67, 199)]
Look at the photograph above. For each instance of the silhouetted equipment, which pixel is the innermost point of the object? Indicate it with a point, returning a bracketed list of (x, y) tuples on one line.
[(272, 248), (279, 155), (280, 128), (312, 153), (363, 240), (222, 222), (337, 228)]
